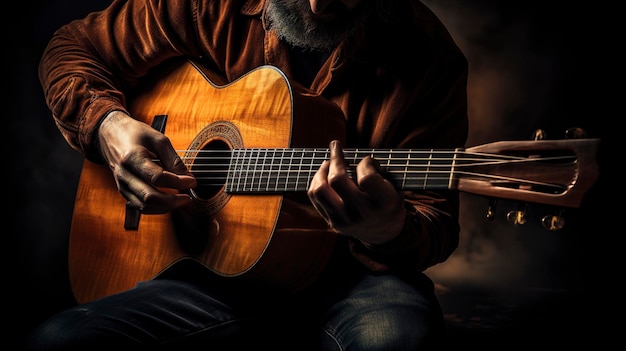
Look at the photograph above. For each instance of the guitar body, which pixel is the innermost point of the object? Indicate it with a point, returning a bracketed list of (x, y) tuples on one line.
[(247, 237)]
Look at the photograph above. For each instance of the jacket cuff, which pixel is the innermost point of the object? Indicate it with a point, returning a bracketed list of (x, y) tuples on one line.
[(402, 251), (88, 131)]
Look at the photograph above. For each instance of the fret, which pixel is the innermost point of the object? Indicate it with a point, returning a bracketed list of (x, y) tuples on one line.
[(254, 166), (406, 170), (289, 171), (280, 178), (241, 168), (270, 169), (264, 170), (436, 175), (451, 183), (235, 171), (395, 167), (313, 166), (301, 159), (249, 174), (248, 169), (427, 169)]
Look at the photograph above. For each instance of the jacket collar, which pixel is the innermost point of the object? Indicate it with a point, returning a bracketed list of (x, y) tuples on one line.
[(253, 7), (275, 50)]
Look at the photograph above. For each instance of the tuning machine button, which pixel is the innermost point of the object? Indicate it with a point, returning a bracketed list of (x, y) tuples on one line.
[(554, 222), (575, 133), (539, 134), (491, 209), (519, 216)]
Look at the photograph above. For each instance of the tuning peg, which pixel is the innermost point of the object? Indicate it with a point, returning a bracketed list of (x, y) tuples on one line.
[(575, 133), (554, 222), (519, 216), (491, 209)]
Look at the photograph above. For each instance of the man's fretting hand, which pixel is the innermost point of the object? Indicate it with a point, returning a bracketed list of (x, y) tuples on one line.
[(370, 209)]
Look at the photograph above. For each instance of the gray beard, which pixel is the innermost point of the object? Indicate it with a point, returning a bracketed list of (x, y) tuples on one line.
[(294, 23)]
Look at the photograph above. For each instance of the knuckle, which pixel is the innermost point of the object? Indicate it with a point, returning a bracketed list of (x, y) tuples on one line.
[(336, 179)]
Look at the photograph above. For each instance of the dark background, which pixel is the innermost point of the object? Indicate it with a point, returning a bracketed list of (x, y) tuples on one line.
[(533, 64)]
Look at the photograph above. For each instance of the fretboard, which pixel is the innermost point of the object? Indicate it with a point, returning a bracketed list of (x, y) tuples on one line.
[(291, 169)]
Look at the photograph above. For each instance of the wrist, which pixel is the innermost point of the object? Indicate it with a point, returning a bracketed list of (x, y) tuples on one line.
[(107, 128), (393, 230)]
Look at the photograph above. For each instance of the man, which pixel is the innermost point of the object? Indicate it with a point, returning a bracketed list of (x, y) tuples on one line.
[(398, 80)]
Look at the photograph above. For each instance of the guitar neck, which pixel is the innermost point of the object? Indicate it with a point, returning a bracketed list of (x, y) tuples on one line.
[(536, 171)]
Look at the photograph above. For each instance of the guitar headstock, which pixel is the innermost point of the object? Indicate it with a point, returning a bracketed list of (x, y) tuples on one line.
[(550, 172)]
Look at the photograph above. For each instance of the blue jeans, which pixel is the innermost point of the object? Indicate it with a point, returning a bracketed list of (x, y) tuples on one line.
[(363, 311)]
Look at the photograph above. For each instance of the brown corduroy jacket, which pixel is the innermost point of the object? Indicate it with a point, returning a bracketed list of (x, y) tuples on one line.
[(400, 84)]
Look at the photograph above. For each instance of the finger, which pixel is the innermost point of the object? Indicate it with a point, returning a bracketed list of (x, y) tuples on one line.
[(337, 166), (371, 181), (334, 216), (166, 203), (354, 202), (338, 177), (147, 198), (175, 174), (324, 198), (169, 158), (155, 202), (144, 166), (174, 181), (319, 188)]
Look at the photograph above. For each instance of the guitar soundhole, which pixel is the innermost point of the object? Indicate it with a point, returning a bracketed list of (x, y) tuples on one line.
[(211, 171), (208, 158)]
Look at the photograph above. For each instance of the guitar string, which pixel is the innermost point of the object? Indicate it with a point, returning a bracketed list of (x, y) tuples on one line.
[(284, 174)]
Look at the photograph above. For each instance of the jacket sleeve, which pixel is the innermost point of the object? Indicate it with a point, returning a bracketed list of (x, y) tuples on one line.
[(430, 235), (88, 62), (426, 110), (431, 230)]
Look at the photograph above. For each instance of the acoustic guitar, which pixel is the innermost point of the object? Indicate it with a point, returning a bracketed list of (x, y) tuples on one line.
[(253, 161)]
